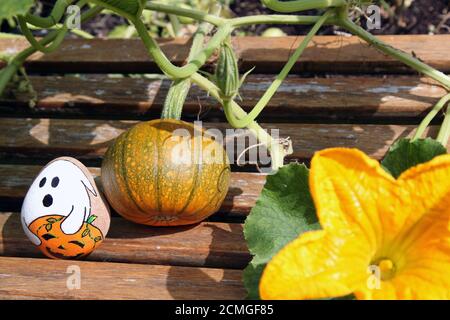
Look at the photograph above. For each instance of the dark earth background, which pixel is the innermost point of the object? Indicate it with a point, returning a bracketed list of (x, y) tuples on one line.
[(399, 17)]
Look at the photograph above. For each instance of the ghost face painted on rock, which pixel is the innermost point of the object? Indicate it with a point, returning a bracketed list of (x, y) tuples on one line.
[(63, 189)]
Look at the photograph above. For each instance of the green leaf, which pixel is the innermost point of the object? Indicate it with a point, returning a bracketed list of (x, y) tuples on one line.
[(252, 274), (283, 211), (85, 233), (405, 154), (13, 8)]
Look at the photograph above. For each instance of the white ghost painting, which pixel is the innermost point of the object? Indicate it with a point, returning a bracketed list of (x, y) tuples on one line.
[(61, 188)]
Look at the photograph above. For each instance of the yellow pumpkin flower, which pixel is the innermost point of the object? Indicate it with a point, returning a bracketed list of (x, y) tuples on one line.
[(382, 238)]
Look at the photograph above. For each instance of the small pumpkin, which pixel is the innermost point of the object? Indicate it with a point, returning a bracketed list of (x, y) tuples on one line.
[(58, 245), (165, 172)]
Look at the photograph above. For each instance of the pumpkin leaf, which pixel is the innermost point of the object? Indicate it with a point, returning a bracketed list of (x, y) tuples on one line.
[(405, 154), (284, 210), (13, 8), (85, 232)]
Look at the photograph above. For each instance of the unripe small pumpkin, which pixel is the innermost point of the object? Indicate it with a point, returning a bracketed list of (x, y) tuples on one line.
[(165, 173)]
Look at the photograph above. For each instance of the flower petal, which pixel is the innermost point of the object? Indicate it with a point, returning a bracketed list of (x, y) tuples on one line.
[(426, 196), (352, 193), (427, 279), (316, 265), (422, 249)]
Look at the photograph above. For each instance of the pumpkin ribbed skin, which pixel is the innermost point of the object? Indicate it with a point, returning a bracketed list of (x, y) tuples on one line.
[(56, 244), (146, 182)]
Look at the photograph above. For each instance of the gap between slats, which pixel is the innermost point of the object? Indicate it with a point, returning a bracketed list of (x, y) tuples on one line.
[(302, 99), (39, 140), (242, 194), (329, 54)]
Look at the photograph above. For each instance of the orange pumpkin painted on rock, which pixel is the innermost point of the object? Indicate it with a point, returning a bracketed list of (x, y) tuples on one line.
[(165, 173), (58, 245)]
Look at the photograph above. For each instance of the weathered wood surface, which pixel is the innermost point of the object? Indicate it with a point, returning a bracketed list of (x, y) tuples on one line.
[(24, 278), (44, 139), (207, 244), (243, 192), (324, 54), (325, 98)]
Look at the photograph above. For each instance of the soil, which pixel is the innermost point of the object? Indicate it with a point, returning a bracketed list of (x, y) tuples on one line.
[(420, 17)]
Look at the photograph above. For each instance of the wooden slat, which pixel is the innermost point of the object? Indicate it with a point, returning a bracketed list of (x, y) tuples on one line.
[(325, 98), (243, 192), (44, 139), (206, 244), (47, 279), (325, 54)]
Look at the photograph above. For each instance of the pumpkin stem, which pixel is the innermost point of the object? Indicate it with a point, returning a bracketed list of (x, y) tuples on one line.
[(173, 105), (91, 219), (179, 89)]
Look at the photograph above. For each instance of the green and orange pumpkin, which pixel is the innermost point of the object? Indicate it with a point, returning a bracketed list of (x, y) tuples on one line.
[(165, 173), (56, 244)]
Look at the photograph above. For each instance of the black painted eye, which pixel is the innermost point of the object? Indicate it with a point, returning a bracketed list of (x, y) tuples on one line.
[(55, 182), (42, 182)]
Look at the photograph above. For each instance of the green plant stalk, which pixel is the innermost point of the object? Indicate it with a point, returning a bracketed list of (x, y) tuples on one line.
[(16, 63), (176, 25), (262, 103), (430, 116), (176, 96), (184, 12), (407, 59), (78, 32), (236, 22), (32, 40), (55, 16), (444, 132), (279, 19), (302, 5), (179, 89), (277, 151), (197, 62)]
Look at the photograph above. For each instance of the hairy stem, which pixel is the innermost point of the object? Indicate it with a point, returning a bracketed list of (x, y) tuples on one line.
[(179, 89), (444, 132), (183, 12), (262, 103), (32, 40), (407, 59), (278, 19), (9, 71), (301, 5), (235, 22), (430, 116), (55, 16), (193, 66), (277, 150)]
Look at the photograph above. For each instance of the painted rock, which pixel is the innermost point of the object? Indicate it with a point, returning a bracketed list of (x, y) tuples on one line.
[(63, 213)]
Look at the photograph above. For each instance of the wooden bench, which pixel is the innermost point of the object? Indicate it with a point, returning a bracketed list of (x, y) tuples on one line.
[(341, 93)]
